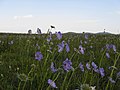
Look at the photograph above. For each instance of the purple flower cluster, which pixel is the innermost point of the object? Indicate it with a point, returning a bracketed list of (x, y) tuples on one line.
[(111, 46), (95, 68), (38, 56), (67, 65), (100, 70), (59, 35), (62, 45)]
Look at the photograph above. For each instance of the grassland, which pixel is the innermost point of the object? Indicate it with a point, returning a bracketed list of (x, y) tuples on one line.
[(20, 70)]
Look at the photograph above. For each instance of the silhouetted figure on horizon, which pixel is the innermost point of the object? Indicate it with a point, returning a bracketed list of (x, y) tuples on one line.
[(30, 31), (38, 31), (104, 30), (52, 27)]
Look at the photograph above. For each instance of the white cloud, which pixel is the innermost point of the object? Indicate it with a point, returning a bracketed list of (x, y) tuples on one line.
[(20, 17)]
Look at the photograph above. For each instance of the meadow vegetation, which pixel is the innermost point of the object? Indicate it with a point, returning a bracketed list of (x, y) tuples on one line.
[(68, 61)]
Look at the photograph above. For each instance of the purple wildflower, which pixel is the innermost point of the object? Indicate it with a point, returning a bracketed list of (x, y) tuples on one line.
[(96, 70), (52, 67), (86, 36), (85, 42), (109, 67), (52, 83), (61, 46), (91, 46), (81, 49), (67, 65), (38, 56), (59, 35), (107, 55), (94, 65), (109, 46), (88, 66), (114, 48), (101, 70), (111, 80), (67, 48), (49, 39), (81, 67), (118, 74)]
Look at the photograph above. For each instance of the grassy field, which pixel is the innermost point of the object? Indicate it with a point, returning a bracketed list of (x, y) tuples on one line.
[(59, 61)]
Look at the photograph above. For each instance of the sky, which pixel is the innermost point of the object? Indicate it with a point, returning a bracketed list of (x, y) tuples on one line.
[(18, 16)]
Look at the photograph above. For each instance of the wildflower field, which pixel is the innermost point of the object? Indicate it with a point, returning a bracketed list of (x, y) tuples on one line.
[(68, 61)]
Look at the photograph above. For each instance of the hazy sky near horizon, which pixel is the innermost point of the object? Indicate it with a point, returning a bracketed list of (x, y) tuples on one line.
[(66, 15)]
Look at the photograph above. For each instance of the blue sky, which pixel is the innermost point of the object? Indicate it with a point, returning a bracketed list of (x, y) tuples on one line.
[(66, 15)]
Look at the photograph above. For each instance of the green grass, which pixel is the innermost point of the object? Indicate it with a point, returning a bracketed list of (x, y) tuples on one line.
[(20, 71)]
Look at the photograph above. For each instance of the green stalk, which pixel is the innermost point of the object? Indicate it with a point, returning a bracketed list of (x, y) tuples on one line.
[(28, 77), (24, 85), (62, 87), (86, 75), (70, 78), (43, 70), (19, 85), (102, 58), (112, 72)]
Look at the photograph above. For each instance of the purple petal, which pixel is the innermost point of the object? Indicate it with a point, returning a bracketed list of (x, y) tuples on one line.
[(67, 48), (67, 65), (114, 48), (94, 65), (88, 66), (81, 67), (111, 80), (52, 83), (38, 56), (52, 67), (61, 46), (81, 49), (118, 74), (107, 55), (59, 35), (101, 70)]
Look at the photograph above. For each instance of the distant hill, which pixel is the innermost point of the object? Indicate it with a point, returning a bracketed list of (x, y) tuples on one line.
[(103, 33)]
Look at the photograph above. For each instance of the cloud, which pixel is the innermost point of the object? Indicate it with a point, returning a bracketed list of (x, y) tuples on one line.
[(20, 17)]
